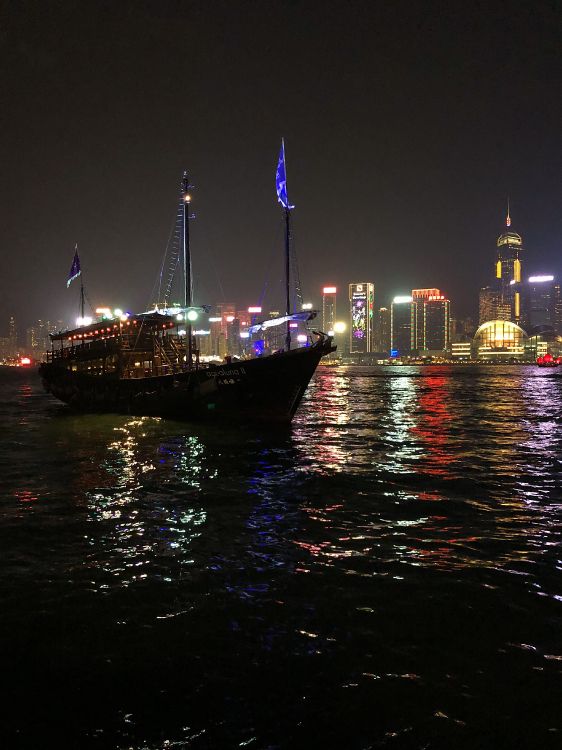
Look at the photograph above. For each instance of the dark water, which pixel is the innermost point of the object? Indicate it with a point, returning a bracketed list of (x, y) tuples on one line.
[(385, 575)]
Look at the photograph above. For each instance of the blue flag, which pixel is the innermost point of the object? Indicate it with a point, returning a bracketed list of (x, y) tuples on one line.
[(74, 272), (281, 179)]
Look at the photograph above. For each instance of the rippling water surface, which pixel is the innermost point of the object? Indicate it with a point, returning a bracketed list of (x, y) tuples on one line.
[(386, 574)]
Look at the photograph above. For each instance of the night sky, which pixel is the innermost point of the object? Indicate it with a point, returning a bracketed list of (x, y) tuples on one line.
[(406, 125)]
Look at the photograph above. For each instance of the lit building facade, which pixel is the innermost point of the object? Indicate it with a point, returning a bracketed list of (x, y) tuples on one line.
[(382, 331), (540, 297), (498, 340), (403, 332), (433, 312), (436, 324), (329, 308), (508, 270), (491, 306), (361, 300), (37, 337)]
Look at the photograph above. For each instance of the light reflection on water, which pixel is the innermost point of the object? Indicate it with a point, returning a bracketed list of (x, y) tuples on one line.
[(148, 511), (398, 547), (483, 444)]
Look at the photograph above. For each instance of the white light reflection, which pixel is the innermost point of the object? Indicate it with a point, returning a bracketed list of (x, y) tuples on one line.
[(398, 423), (147, 516)]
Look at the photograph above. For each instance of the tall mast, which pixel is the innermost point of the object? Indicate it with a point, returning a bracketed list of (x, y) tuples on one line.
[(288, 274), (188, 285), (283, 198), (81, 298)]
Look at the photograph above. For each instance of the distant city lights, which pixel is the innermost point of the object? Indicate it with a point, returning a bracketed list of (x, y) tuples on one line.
[(401, 299), (84, 321), (307, 306), (540, 279), (302, 338), (329, 290), (254, 309)]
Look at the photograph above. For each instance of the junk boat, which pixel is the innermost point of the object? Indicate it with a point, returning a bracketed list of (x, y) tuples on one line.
[(143, 365), (547, 360)]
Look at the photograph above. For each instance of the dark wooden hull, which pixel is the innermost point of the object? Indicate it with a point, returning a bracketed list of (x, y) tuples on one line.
[(266, 389)]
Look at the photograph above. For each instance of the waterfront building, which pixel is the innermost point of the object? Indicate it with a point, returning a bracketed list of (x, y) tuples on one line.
[(436, 330), (403, 317), (500, 340), (37, 339), (361, 298), (557, 310), (433, 312), (540, 298), (9, 344), (329, 308), (382, 331), (461, 350)]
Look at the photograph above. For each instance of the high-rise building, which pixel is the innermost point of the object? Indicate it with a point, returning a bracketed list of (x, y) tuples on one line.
[(403, 318), (540, 295), (37, 337), (361, 299), (491, 306), (329, 308), (436, 316), (13, 334), (382, 330), (419, 296), (508, 270), (557, 310)]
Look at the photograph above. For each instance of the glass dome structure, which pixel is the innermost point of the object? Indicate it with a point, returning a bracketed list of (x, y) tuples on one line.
[(500, 339)]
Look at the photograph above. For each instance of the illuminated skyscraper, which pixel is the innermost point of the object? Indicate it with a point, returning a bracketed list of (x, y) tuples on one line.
[(433, 313), (508, 269), (328, 308), (403, 326), (361, 298), (436, 317), (419, 296), (382, 330), (540, 298), (491, 307)]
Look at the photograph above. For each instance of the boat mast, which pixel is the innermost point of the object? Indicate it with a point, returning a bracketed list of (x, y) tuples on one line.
[(188, 289), (288, 274), (81, 298), (283, 198)]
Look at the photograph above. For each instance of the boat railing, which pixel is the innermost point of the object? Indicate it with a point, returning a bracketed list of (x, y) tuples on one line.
[(82, 350)]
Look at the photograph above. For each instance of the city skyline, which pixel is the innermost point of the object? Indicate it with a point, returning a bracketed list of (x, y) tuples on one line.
[(400, 154)]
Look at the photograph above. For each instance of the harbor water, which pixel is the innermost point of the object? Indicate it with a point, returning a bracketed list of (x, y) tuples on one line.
[(384, 574)]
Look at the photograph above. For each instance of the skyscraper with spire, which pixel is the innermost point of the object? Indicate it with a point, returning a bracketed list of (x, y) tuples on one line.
[(508, 269)]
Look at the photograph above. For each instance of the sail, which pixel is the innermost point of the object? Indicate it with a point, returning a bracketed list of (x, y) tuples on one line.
[(300, 316)]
